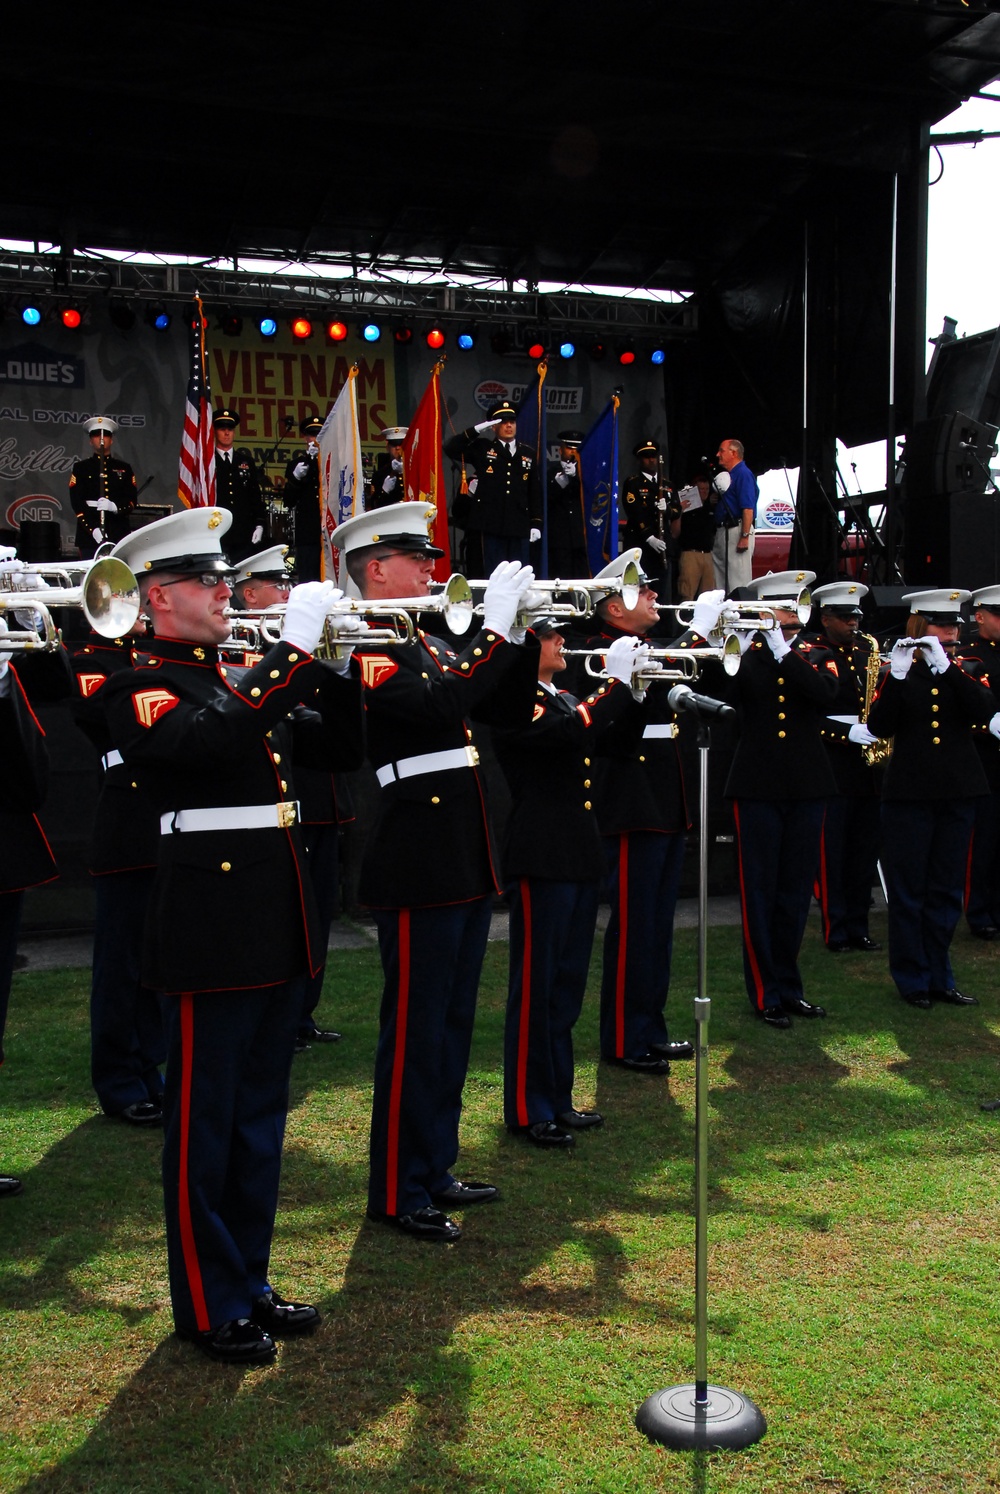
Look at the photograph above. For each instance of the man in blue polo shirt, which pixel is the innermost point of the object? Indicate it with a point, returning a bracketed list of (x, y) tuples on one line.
[(735, 510)]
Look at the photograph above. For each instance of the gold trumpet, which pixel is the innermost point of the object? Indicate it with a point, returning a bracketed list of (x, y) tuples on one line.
[(107, 593), (580, 597), (668, 664)]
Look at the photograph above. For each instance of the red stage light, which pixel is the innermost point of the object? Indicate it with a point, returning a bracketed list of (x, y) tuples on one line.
[(70, 317), (536, 350), (302, 328), (336, 331), (626, 356), (435, 338)]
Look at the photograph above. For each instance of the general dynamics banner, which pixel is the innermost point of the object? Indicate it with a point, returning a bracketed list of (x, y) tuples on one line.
[(52, 380)]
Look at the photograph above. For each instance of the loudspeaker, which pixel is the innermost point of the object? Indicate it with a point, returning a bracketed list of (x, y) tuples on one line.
[(950, 454), (975, 540), (39, 541)]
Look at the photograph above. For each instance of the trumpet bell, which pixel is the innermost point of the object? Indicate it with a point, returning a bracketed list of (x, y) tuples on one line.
[(109, 598), (732, 654)]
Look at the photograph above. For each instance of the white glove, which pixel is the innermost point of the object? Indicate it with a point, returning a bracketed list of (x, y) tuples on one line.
[(860, 734), (397, 465), (300, 470), (900, 659), (306, 612), (7, 552), (105, 506), (625, 657), (9, 565), (349, 624), (993, 728), (661, 504), (655, 543), (721, 481), (6, 656), (534, 535), (388, 483), (258, 534), (473, 485), (777, 643), (569, 468), (562, 480), (504, 596), (935, 654), (707, 611), (98, 535), (312, 448), (486, 425)]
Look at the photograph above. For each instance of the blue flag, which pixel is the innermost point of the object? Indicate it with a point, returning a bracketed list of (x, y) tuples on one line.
[(531, 430), (599, 472)]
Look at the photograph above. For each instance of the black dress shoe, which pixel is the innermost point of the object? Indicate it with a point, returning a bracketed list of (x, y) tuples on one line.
[(774, 1016), (281, 1318), (9, 1186), (650, 1063), (239, 1342), (838, 946), (142, 1113), (797, 1006), (864, 944), (954, 997), (544, 1133), (580, 1120), (673, 1050), (920, 999), (301, 1046), (986, 932), (460, 1194), (319, 1035), (423, 1224)]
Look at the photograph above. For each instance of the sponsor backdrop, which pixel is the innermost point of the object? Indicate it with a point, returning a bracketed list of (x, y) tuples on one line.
[(52, 380)]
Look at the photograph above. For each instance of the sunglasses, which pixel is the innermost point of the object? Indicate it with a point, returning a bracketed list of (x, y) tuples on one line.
[(203, 578)]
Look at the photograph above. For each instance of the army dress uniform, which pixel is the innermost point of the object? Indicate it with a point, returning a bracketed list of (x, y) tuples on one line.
[(127, 1042), (780, 782), (218, 763), (849, 843), (638, 518), (96, 478), (980, 658), (237, 487), (552, 864), (929, 792), (301, 494), (567, 525), (507, 503)]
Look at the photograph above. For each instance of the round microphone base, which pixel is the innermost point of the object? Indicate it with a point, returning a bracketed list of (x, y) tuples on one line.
[(723, 1419)]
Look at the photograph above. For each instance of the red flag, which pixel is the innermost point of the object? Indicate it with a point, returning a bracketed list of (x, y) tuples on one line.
[(196, 475), (423, 461)]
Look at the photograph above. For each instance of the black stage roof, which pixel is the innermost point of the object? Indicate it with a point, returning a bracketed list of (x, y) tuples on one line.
[(629, 145)]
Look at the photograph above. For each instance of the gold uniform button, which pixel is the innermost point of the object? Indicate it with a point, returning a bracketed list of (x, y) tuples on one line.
[(135, 785), (274, 674), (477, 652), (490, 638), (781, 715), (293, 658), (781, 700), (934, 690), (435, 799), (780, 680), (284, 787), (424, 675), (277, 757), (255, 691), (466, 664), (223, 671), (586, 783), (226, 866), (937, 741), (642, 757), (781, 734), (586, 762), (586, 804)]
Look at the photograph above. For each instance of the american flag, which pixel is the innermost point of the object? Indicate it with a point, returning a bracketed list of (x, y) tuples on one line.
[(196, 477)]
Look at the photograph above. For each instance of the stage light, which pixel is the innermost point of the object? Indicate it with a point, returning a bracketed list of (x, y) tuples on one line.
[(597, 349), (371, 332), (658, 356), (267, 326), (534, 342), (159, 318), (466, 338), (435, 338), (336, 331), (230, 323), (567, 349), (626, 354), (71, 317), (402, 334), (302, 328), (31, 316), (121, 315)]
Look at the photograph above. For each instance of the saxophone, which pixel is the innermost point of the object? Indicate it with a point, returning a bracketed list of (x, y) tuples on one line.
[(876, 754)]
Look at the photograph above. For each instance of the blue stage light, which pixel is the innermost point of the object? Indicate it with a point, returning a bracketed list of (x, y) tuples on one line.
[(31, 315), (371, 332), (465, 341), (567, 349), (657, 356), (267, 326)]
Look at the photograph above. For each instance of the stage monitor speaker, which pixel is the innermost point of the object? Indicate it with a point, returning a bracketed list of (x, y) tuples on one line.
[(975, 540), (950, 454), (39, 541)]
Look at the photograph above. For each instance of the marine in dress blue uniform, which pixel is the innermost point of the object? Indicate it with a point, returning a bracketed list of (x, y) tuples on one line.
[(850, 840), (217, 758), (387, 479), (103, 489), (430, 868), (552, 864), (506, 508), (980, 657), (929, 707), (301, 494)]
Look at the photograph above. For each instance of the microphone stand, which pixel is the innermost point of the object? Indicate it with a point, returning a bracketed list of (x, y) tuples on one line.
[(700, 1416)]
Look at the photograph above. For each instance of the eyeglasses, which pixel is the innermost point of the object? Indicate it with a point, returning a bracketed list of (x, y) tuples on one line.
[(203, 578)]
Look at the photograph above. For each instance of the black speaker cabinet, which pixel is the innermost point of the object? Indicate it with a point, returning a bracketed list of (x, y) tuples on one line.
[(950, 454), (974, 524)]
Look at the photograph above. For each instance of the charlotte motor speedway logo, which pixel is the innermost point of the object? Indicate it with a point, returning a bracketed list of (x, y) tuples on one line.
[(35, 507), (779, 514)]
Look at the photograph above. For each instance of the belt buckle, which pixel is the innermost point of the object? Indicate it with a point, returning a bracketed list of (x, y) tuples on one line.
[(472, 756), (286, 815)]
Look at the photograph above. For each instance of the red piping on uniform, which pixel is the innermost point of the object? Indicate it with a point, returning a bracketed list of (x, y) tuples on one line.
[(622, 947), (525, 1022), (398, 1063), (189, 1248), (747, 944)]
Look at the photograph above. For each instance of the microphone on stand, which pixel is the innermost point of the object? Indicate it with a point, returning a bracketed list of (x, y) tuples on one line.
[(683, 698)]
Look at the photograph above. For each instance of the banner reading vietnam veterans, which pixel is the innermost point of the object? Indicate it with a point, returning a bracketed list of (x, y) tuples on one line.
[(341, 476), (599, 474)]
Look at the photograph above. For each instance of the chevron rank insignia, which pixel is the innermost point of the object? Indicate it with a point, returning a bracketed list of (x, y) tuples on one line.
[(90, 683), (376, 669), (150, 705)]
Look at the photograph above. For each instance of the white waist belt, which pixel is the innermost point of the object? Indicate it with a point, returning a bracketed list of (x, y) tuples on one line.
[(427, 762), (232, 817), (112, 759), (660, 729)]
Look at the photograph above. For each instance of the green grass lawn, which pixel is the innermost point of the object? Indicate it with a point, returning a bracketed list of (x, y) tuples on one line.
[(853, 1269)]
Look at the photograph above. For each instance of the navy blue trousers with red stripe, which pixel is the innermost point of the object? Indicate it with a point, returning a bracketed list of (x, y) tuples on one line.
[(925, 845), (224, 1108), (644, 876), (777, 846), (431, 959), (847, 866), (551, 936)]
